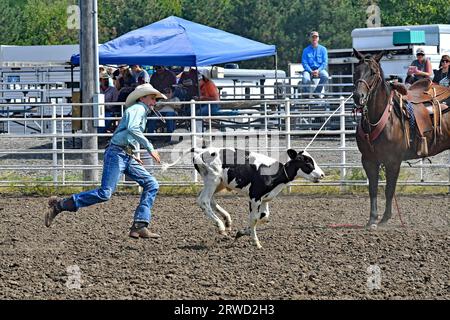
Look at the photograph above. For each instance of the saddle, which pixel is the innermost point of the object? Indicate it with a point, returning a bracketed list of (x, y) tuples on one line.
[(427, 101), (425, 90)]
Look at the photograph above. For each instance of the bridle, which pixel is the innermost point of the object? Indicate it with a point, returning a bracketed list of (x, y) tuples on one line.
[(373, 129), (370, 87)]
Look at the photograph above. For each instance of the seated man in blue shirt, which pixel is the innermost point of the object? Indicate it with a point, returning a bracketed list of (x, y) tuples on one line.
[(314, 61), (119, 158)]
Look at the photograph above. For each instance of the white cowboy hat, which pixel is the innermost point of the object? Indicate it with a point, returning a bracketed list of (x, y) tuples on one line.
[(142, 91)]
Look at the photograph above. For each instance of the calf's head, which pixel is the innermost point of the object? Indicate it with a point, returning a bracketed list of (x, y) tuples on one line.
[(305, 166)]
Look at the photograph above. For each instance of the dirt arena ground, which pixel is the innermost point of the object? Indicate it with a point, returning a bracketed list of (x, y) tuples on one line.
[(302, 258)]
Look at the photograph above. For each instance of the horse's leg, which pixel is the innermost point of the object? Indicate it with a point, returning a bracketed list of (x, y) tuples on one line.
[(372, 171), (392, 172)]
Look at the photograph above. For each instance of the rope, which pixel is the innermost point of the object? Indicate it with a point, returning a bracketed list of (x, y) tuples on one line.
[(398, 212), (323, 125)]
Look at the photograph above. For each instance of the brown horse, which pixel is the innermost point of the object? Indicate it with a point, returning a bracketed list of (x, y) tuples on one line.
[(381, 135)]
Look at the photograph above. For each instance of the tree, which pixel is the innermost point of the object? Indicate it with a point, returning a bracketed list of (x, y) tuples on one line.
[(11, 30), (411, 12), (217, 15), (45, 22), (117, 17)]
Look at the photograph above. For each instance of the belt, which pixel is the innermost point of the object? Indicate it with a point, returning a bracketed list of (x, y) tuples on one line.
[(128, 148)]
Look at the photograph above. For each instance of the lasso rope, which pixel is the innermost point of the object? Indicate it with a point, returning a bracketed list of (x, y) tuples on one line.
[(323, 125)]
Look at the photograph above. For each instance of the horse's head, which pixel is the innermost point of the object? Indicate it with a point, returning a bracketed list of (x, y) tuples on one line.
[(367, 76)]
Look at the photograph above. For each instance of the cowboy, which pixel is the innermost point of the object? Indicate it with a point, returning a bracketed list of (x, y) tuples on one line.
[(119, 158)]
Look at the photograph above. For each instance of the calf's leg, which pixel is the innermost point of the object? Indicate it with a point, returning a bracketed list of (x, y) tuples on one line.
[(254, 218), (225, 215), (204, 200)]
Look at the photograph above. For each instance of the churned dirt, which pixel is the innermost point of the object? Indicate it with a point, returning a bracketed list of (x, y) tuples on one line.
[(302, 256)]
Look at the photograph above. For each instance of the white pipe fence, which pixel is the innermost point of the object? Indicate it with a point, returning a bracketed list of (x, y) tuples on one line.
[(39, 149)]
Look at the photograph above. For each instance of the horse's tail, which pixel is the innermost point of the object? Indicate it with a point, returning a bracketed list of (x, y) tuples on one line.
[(166, 166)]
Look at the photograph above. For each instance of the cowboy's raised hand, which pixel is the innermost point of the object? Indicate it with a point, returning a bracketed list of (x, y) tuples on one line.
[(155, 155)]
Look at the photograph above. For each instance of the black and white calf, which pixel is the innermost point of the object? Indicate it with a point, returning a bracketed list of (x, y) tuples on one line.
[(259, 176)]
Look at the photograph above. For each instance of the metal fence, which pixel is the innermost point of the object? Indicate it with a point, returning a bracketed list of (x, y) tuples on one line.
[(41, 148)]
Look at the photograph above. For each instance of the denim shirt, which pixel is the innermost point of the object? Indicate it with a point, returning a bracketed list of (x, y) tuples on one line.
[(131, 128), (314, 58)]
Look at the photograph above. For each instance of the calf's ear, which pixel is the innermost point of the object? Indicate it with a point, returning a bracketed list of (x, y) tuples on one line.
[(292, 153)]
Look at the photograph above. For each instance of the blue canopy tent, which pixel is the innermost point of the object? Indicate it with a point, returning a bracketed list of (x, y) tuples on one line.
[(177, 42)]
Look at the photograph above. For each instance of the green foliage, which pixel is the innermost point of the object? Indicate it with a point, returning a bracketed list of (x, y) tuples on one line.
[(45, 21), (284, 23), (412, 12), (117, 17)]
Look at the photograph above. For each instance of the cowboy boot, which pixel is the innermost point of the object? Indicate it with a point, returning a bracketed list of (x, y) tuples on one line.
[(140, 230), (56, 206)]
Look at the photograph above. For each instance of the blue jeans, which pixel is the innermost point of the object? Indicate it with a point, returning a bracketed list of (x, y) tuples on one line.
[(116, 162), (323, 76), (170, 123)]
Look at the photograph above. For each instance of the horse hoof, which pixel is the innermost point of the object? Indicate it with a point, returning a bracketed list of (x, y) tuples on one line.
[(372, 227)]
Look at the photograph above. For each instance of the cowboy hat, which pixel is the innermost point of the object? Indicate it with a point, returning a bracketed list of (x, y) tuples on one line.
[(142, 91)]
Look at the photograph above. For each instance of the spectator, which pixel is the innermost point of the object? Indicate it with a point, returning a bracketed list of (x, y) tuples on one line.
[(128, 85), (441, 76), (163, 79), (166, 111), (103, 69), (118, 76), (111, 95), (315, 62), (140, 76), (209, 92), (419, 68), (187, 84)]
